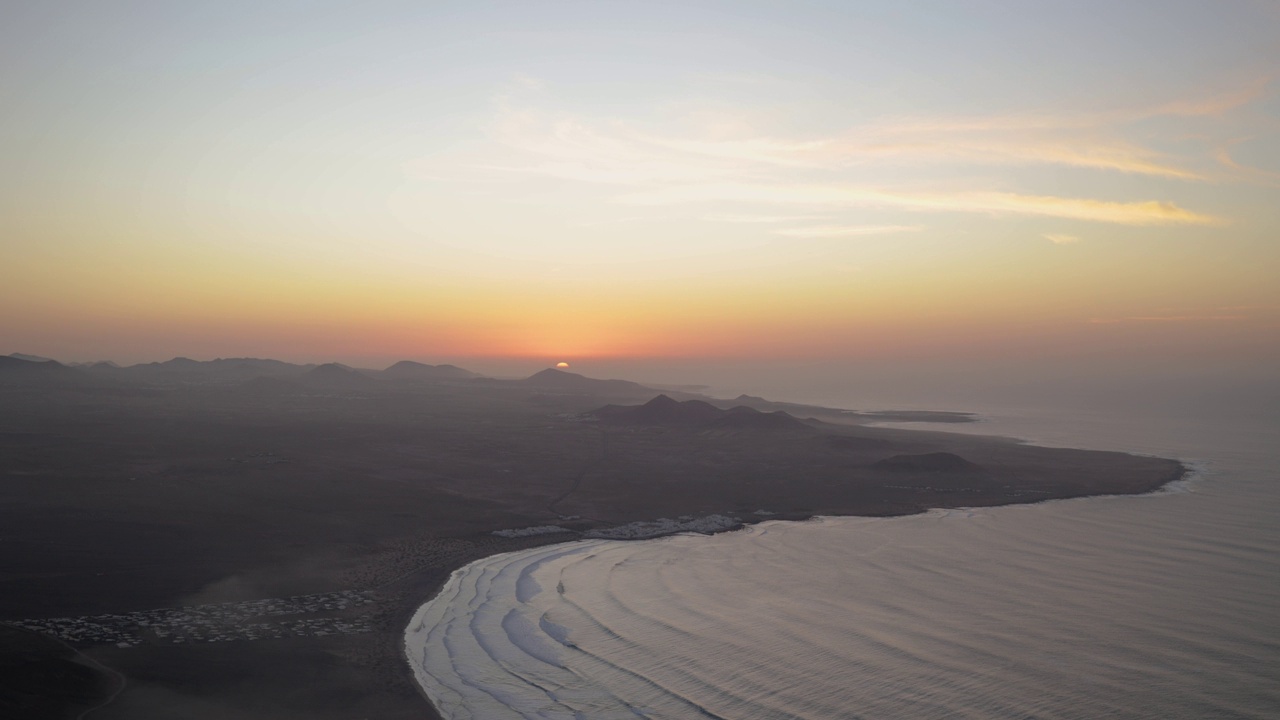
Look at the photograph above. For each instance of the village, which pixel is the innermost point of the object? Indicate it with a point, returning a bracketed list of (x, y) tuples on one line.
[(219, 622), (641, 529)]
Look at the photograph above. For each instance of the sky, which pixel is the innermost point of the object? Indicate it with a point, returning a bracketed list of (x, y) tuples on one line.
[(667, 190)]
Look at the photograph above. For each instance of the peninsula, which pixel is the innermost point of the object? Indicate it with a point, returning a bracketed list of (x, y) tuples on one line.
[(248, 538)]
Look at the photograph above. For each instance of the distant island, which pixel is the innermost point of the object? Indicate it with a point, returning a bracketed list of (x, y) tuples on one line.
[(211, 538)]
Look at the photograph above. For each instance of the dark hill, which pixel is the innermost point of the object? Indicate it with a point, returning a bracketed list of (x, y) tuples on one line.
[(937, 462), (664, 411), (551, 376), (410, 370), (561, 381), (745, 418), (30, 358), (258, 365), (10, 363), (661, 410), (335, 375), (763, 405), (181, 370), (44, 374)]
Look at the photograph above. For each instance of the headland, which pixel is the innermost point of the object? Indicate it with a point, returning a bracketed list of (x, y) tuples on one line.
[(248, 538)]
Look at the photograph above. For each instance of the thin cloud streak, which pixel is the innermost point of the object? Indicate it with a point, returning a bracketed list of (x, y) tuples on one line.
[(1214, 105), (825, 231), (761, 218), (890, 145), (1266, 177), (1149, 212), (1208, 106), (603, 151), (652, 168)]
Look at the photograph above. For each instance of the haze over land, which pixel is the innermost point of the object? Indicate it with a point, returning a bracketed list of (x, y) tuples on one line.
[(304, 302), (300, 513)]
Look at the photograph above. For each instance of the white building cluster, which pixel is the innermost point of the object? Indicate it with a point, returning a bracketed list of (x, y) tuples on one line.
[(666, 526), (531, 531), (212, 623)]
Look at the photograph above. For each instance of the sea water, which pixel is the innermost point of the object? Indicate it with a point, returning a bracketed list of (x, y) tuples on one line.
[(1158, 606)]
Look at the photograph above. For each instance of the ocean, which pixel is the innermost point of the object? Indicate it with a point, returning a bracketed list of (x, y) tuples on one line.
[(1164, 605)]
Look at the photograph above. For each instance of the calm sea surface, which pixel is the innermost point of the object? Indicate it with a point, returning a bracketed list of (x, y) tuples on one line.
[(1158, 606)]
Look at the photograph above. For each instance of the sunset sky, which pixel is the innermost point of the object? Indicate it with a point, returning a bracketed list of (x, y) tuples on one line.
[(651, 182)]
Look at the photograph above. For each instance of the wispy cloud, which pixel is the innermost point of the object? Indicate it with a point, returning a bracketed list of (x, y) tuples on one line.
[(1148, 212), (826, 231), (1059, 239), (971, 143), (1216, 104), (1223, 155), (1075, 139), (732, 163), (621, 221), (730, 218), (571, 147), (566, 147)]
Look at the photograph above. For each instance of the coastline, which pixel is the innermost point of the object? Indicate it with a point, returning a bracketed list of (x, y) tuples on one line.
[(433, 582), (392, 514), (411, 615)]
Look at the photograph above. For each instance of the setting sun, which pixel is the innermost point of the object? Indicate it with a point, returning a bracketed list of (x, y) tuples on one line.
[(844, 285)]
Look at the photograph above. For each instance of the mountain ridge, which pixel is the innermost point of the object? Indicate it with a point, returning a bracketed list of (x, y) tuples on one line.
[(665, 411)]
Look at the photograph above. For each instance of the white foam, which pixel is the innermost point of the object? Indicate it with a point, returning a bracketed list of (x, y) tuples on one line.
[(976, 612)]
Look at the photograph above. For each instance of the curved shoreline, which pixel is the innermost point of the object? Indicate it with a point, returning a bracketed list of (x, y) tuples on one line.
[(1184, 471)]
